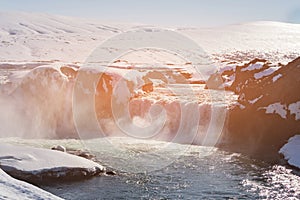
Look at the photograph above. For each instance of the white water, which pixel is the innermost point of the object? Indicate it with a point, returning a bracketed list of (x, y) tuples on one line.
[(183, 172)]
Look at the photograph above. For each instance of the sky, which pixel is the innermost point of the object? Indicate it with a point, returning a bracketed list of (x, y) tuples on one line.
[(204, 13)]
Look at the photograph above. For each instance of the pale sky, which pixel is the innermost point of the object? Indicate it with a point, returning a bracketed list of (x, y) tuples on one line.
[(166, 12)]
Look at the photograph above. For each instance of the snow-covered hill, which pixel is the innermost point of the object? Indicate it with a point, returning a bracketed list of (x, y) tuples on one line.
[(273, 41), (41, 37)]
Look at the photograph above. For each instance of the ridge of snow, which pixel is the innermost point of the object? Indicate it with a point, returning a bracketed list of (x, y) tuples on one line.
[(251, 67), (266, 72)]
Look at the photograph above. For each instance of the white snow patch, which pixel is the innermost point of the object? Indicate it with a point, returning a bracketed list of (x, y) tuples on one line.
[(257, 65), (104, 86), (275, 78), (291, 151), (276, 108), (295, 109), (32, 160), (14, 189), (266, 72), (255, 100)]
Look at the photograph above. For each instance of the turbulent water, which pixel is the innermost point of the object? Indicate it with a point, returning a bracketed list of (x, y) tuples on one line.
[(191, 172), (148, 169)]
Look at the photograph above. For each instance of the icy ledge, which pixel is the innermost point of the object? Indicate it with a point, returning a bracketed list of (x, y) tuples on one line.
[(36, 165), (291, 151), (11, 188)]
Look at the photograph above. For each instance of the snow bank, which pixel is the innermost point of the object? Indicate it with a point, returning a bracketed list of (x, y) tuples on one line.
[(31, 163), (291, 151), (11, 188)]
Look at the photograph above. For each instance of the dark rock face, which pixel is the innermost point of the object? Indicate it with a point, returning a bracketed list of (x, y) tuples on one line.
[(60, 174), (244, 75), (266, 114)]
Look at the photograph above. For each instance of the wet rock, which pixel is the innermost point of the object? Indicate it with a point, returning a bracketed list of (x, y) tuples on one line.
[(59, 148)]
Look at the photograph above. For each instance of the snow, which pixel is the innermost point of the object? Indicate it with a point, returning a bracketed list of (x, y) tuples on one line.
[(275, 78), (251, 67), (291, 151), (266, 72), (276, 108), (295, 109), (35, 160), (253, 39), (43, 37), (255, 100), (11, 188), (228, 68)]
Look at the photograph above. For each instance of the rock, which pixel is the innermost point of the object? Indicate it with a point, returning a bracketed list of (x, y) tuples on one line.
[(112, 173), (148, 87), (59, 148), (83, 154), (268, 115)]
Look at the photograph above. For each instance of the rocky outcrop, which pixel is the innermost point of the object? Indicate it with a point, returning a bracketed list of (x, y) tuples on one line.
[(268, 110)]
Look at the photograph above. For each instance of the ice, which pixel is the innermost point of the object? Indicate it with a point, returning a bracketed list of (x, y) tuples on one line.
[(11, 188), (291, 151)]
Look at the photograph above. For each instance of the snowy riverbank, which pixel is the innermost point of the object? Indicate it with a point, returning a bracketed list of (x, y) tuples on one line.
[(36, 164)]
